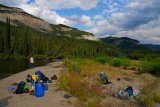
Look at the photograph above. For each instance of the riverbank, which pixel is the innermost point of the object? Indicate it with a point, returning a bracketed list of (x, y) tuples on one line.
[(53, 97)]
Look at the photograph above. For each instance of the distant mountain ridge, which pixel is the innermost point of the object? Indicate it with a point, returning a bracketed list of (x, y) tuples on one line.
[(129, 44)]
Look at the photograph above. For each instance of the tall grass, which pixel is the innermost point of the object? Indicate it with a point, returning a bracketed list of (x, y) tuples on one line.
[(77, 85), (74, 84)]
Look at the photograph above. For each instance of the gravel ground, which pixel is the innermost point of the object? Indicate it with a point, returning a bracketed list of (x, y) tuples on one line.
[(53, 96)]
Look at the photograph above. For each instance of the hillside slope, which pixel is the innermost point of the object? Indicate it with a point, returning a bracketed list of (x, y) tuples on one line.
[(18, 14), (124, 43), (63, 30)]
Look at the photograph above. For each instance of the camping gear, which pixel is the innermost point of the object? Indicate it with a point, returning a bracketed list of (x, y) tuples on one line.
[(41, 76), (22, 87), (54, 77), (39, 89), (13, 88), (50, 81), (104, 78), (34, 77), (129, 90), (45, 87), (32, 92), (118, 79), (67, 96), (29, 78), (125, 94)]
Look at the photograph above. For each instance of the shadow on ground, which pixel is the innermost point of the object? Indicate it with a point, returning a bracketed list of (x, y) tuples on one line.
[(4, 102)]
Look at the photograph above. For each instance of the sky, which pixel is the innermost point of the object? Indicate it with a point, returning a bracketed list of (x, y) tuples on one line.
[(136, 19)]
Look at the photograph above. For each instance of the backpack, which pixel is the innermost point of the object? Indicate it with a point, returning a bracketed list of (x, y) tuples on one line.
[(54, 77), (41, 76), (129, 90), (104, 78), (22, 88)]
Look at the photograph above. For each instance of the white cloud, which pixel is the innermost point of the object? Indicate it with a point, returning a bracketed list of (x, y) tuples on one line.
[(146, 33), (13, 2), (49, 16), (104, 27), (98, 17), (81, 20), (64, 4)]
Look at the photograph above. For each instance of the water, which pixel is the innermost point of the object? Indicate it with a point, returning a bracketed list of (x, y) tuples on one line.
[(10, 67)]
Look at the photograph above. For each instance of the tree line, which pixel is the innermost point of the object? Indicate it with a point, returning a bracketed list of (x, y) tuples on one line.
[(20, 39)]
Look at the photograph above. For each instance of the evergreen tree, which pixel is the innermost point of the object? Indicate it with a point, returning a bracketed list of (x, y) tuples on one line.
[(1, 41), (7, 43)]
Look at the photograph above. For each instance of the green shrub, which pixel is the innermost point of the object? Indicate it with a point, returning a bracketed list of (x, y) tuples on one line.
[(152, 98), (157, 97), (117, 62), (149, 100), (150, 66), (4, 56), (39, 57), (102, 60), (17, 57)]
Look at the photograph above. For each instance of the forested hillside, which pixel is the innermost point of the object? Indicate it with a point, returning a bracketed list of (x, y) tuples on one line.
[(26, 41)]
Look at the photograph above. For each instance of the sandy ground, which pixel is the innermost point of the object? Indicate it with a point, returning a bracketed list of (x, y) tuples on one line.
[(53, 97)]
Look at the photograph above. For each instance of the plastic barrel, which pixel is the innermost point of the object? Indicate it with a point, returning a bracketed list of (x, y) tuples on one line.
[(39, 89)]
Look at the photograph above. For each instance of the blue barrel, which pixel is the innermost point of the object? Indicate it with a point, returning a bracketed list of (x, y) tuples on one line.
[(39, 89)]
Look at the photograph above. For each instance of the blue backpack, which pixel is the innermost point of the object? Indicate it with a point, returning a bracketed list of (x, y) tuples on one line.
[(129, 90)]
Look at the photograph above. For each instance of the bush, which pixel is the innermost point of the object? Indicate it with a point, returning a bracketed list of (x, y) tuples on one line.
[(39, 57), (4, 56), (150, 67), (102, 60), (73, 65), (151, 99), (117, 62), (18, 57)]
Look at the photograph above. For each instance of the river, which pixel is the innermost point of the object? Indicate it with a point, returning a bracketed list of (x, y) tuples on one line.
[(10, 67)]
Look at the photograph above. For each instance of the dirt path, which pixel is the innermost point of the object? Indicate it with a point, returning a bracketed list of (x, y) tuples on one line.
[(53, 97)]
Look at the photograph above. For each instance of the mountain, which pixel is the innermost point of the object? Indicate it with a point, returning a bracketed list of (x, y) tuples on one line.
[(19, 16), (15, 14), (124, 43), (151, 46)]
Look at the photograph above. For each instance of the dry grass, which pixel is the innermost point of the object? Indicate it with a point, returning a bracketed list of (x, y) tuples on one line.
[(86, 86)]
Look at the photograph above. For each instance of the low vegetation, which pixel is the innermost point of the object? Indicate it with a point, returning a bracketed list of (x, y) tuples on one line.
[(82, 81), (150, 66)]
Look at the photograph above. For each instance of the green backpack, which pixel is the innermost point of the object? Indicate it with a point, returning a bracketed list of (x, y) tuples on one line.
[(22, 88)]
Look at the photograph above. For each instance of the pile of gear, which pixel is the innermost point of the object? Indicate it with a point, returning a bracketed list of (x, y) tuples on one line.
[(38, 85), (124, 94)]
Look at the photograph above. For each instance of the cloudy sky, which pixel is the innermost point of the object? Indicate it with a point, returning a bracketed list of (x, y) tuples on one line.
[(137, 19)]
